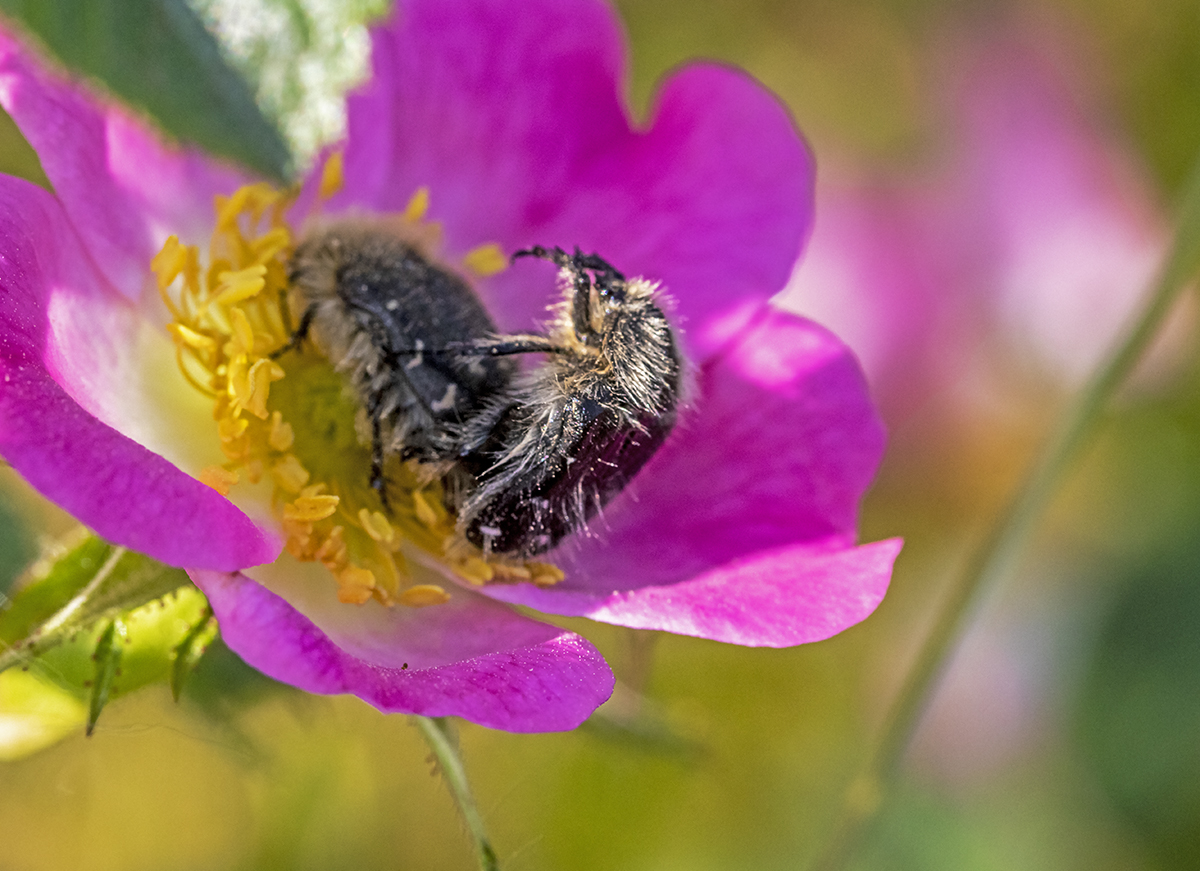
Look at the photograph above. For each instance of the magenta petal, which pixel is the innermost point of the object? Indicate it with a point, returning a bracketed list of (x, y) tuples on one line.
[(469, 658), (125, 492), (777, 598), (512, 116), (123, 189)]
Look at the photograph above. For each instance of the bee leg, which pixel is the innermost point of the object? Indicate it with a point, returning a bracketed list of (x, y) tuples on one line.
[(298, 336), (378, 482)]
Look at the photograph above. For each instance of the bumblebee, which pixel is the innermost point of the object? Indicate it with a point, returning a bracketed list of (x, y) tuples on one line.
[(526, 456)]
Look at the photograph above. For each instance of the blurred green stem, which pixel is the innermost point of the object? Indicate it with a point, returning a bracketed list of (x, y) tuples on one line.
[(997, 553), (437, 734)]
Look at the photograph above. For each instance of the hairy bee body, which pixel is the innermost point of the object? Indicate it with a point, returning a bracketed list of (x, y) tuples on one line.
[(569, 435), (370, 299), (527, 457)]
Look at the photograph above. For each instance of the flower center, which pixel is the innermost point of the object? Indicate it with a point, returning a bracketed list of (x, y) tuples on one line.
[(289, 419)]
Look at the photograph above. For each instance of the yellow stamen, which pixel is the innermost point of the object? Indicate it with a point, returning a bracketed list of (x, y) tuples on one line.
[(423, 595), (475, 570), (262, 373), (243, 333), (424, 510), (219, 478), (355, 585), (309, 509), (237, 286), (376, 526), (545, 574), (332, 175), (293, 420), (486, 260), (417, 206), (333, 553), (191, 338), (511, 572), (282, 436), (290, 474), (169, 262)]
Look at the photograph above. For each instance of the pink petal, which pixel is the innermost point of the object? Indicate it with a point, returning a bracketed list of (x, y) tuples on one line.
[(776, 598), (127, 493), (469, 658), (513, 118), (122, 187)]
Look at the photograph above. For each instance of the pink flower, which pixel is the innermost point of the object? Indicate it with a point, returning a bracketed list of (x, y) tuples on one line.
[(741, 529), (1031, 238)]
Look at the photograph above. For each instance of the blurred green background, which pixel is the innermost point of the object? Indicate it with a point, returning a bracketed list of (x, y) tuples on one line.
[(1067, 735)]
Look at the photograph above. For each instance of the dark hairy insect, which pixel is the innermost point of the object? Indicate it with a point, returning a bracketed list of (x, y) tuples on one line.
[(527, 457)]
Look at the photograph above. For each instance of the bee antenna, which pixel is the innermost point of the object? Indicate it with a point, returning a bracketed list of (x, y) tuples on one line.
[(555, 255)]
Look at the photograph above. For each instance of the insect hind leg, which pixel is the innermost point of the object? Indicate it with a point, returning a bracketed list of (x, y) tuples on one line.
[(298, 335)]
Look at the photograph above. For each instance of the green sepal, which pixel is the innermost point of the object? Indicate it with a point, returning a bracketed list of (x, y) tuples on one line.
[(187, 653), (107, 657), (157, 56), (87, 581), (58, 692)]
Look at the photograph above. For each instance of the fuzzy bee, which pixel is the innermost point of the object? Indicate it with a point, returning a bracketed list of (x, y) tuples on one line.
[(527, 457)]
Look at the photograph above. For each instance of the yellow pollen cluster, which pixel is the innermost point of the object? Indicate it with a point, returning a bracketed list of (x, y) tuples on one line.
[(286, 419)]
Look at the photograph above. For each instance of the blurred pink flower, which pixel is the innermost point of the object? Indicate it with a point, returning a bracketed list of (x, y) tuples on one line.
[(741, 529), (1034, 234)]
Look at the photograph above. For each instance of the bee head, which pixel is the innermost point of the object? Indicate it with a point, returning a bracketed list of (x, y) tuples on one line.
[(600, 289)]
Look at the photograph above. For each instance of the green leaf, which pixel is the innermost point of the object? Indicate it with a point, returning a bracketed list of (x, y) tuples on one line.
[(157, 56), (84, 584)]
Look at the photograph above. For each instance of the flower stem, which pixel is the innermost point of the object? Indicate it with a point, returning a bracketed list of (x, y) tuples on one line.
[(996, 555), (438, 735)]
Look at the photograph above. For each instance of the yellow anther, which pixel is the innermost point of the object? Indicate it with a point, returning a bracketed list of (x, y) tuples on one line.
[(486, 259), (376, 526), (281, 436), (189, 337), (545, 574), (231, 428), (169, 262), (243, 333), (475, 570), (310, 509), (270, 243), (511, 572), (259, 198), (253, 470), (238, 378), (423, 509), (262, 373), (229, 209), (332, 175), (355, 585), (240, 285), (298, 540), (417, 206), (290, 474), (332, 553), (423, 595), (219, 478)]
